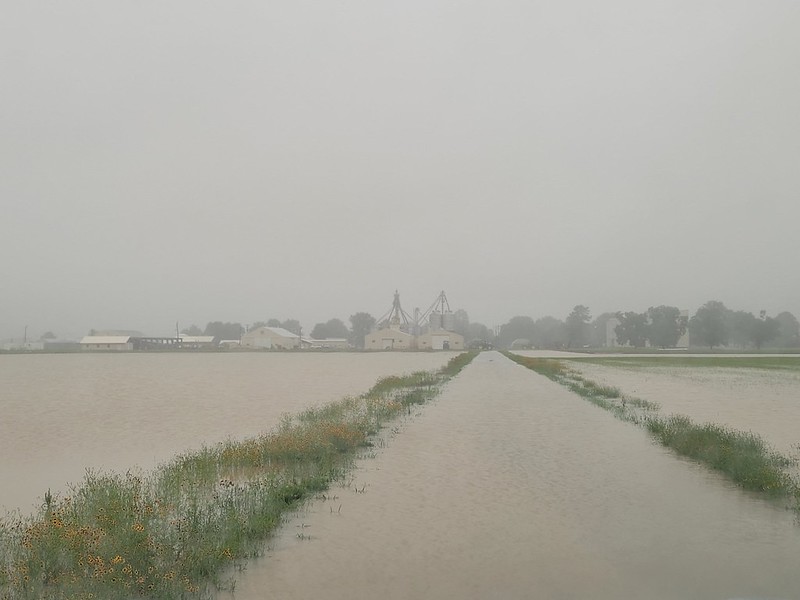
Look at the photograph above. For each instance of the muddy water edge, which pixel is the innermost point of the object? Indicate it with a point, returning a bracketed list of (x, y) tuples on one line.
[(763, 400), (509, 486), (65, 413)]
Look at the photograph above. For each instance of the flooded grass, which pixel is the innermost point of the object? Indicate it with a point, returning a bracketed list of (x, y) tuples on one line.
[(627, 408), (171, 533), (744, 457)]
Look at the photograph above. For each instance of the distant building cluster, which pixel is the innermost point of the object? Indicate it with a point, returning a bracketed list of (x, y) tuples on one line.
[(132, 342), (260, 338), (278, 338), (430, 331)]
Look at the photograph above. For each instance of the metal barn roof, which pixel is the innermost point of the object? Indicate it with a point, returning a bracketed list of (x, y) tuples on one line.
[(106, 339)]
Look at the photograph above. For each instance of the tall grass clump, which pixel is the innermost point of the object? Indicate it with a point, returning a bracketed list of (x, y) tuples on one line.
[(455, 364), (744, 457), (172, 533)]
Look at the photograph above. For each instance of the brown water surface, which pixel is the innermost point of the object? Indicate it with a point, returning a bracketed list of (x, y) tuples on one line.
[(509, 486), (765, 401), (63, 413)]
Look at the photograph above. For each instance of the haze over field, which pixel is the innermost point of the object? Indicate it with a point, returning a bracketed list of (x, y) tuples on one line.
[(201, 161)]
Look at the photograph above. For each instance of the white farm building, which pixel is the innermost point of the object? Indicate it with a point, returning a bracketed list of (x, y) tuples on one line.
[(270, 338), (389, 339), (107, 342), (440, 339)]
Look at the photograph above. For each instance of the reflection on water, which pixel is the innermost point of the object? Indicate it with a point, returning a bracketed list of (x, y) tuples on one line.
[(64, 413), (509, 486)]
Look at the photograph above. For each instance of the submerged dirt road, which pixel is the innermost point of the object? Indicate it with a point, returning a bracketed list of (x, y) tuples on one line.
[(509, 486)]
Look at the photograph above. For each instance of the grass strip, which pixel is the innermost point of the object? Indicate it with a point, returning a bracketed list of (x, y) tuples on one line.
[(172, 533), (744, 457)]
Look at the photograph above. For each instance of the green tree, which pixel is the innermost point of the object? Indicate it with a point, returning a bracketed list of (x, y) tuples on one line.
[(748, 330), (274, 323), (192, 330), (361, 324), (788, 330), (257, 325), (292, 325), (665, 326), (741, 326), (550, 333), (632, 329), (320, 332), (461, 322), (597, 335), (517, 328), (334, 328), (578, 326), (765, 329), (479, 332), (224, 331), (709, 325), (337, 329)]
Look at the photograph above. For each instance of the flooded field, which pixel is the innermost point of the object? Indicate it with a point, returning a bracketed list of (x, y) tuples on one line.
[(509, 486), (763, 400), (506, 485), (63, 413)]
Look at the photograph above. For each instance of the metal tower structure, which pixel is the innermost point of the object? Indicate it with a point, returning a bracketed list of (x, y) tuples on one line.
[(440, 307), (396, 317)]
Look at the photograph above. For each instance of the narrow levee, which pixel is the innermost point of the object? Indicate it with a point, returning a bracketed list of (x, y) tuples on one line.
[(509, 485)]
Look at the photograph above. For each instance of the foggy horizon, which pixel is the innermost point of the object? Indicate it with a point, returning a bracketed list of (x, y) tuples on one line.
[(168, 329), (193, 163)]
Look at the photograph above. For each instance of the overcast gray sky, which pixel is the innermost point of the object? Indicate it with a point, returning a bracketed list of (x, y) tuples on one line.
[(240, 161)]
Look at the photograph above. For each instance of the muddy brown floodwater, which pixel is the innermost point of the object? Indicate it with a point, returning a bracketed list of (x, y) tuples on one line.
[(509, 486), (765, 401), (64, 413)]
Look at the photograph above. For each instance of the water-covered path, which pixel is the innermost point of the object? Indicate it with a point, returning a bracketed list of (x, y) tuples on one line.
[(509, 486)]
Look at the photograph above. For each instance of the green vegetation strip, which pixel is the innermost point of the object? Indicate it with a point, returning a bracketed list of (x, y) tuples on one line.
[(175, 532), (742, 456)]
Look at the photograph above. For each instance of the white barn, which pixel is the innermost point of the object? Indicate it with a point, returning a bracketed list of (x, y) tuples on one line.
[(107, 342), (389, 339), (440, 339), (270, 338)]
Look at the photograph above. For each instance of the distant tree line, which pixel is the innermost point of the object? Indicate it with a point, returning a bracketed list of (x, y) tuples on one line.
[(713, 326)]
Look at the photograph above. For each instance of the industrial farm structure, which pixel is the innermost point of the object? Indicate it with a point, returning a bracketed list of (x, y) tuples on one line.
[(429, 330)]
